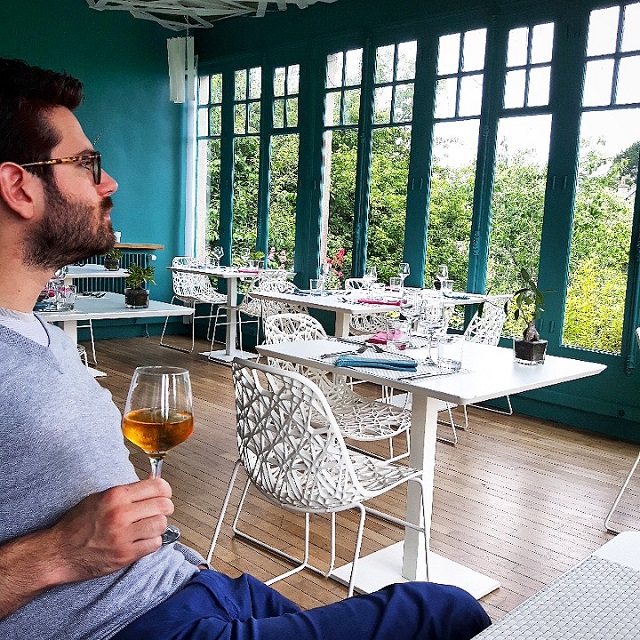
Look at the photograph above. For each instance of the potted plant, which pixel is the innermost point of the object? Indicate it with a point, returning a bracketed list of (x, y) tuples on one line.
[(528, 305), (112, 259), (136, 296)]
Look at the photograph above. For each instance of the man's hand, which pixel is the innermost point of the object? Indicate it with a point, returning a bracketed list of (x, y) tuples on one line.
[(104, 532)]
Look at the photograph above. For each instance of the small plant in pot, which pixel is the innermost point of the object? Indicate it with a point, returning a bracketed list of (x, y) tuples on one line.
[(112, 259), (136, 296), (528, 305)]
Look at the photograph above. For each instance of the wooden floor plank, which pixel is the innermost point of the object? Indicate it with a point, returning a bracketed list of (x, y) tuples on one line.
[(519, 499)]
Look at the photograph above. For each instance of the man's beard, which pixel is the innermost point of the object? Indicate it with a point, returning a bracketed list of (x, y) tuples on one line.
[(64, 235)]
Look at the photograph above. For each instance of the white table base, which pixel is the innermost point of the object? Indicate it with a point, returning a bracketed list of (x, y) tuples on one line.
[(383, 568), (222, 355)]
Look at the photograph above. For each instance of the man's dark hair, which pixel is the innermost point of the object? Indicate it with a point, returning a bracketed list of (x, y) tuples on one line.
[(27, 94)]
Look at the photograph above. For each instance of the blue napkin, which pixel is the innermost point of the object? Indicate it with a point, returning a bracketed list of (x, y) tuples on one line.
[(407, 364), (457, 296)]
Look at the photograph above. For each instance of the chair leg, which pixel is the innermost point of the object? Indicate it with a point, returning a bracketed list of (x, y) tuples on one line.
[(170, 346), (619, 496), (93, 343)]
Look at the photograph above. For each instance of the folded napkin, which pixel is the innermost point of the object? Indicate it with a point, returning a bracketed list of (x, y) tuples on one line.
[(378, 338), (456, 296), (407, 364), (394, 303), (248, 270)]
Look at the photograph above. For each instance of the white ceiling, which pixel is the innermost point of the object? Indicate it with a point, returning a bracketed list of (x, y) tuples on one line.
[(181, 14)]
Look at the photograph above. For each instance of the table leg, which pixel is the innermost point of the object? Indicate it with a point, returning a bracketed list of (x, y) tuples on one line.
[(404, 561), (343, 318)]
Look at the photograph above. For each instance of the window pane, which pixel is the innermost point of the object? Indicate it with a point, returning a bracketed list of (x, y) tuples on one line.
[(514, 89), (245, 193), (382, 105), (631, 32), (332, 108), (240, 125), (542, 43), (203, 90), (471, 95), (384, 64), (388, 198), (216, 120), (334, 70), (282, 198), (603, 31), (539, 81), (455, 146), (203, 119), (254, 117), (597, 83), (448, 54), (518, 203), (404, 103), (517, 47), (353, 75), (407, 52), (351, 106), (208, 195), (278, 82), (338, 193), (240, 85), (473, 53), (292, 112), (255, 82), (629, 80), (216, 88), (598, 266), (278, 113), (293, 79), (446, 91)]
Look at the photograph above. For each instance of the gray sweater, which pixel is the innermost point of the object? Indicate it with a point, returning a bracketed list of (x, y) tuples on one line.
[(60, 440)]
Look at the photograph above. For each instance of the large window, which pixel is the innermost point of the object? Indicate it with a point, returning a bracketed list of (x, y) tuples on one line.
[(607, 179)]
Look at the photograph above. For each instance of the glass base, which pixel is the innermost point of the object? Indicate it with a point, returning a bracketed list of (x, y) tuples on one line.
[(170, 535)]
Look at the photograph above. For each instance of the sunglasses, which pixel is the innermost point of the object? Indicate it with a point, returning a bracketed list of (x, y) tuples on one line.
[(89, 161)]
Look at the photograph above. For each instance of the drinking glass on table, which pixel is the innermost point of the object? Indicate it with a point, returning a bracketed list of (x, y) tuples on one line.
[(443, 274), (370, 276), (158, 415), (432, 320)]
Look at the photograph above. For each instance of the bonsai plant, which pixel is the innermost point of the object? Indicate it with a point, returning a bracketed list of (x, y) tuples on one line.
[(136, 296), (112, 259), (528, 305)]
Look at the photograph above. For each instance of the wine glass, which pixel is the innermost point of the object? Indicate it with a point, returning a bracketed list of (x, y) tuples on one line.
[(325, 270), (432, 320), (404, 270), (443, 274), (158, 415), (217, 253), (370, 276)]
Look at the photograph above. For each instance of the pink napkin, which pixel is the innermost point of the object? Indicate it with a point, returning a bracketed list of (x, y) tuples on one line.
[(248, 270), (378, 338), (393, 303)]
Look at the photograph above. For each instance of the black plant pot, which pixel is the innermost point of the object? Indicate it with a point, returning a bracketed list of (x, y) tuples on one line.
[(111, 264), (136, 298), (526, 352)]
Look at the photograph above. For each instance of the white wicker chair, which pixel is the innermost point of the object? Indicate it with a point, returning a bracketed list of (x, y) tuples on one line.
[(293, 452), (625, 484), (193, 289), (365, 323), (360, 419)]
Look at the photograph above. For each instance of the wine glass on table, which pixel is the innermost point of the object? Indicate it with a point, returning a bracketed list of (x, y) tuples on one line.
[(404, 270), (158, 415), (370, 276), (432, 320), (217, 253), (442, 275)]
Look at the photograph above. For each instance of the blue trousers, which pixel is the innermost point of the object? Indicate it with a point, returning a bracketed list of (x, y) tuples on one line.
[(213, 606)]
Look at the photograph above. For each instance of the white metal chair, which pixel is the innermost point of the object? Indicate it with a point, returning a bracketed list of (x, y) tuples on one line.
[(359, 419), (193, 289), (89, 325), (254, 310), (365, 323), (292, 450), (625, 484)]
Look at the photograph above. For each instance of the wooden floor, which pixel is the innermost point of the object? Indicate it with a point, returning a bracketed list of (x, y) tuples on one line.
[(519, 499)]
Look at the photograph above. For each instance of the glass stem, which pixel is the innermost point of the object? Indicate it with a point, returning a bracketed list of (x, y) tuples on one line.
[(156, 467)]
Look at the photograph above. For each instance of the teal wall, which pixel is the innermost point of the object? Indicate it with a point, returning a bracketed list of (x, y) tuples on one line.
[(123, 65)]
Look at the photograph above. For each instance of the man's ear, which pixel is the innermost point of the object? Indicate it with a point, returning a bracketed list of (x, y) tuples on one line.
[(19, 189)]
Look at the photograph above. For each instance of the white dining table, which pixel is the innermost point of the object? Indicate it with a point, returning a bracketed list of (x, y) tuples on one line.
[(231, 276), (487, 372), (77, 272), (345, 304), (108, 306)]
